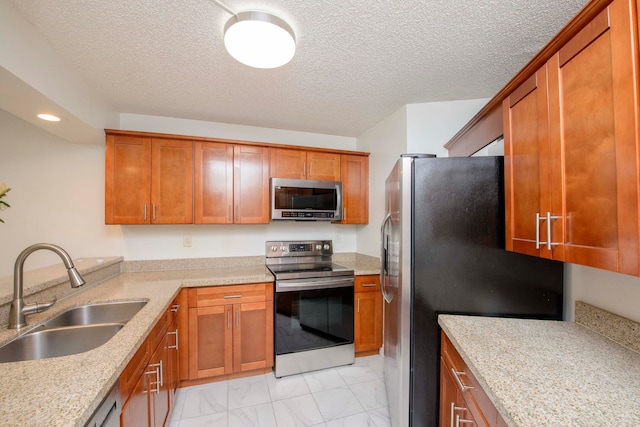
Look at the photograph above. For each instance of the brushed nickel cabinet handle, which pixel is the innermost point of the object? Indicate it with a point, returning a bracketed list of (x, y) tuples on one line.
[(358, 305), (237, 318), (153, 209), (228, 319), (457, 378), (368, 285), (232, 296), (145, 211), (176, 334)]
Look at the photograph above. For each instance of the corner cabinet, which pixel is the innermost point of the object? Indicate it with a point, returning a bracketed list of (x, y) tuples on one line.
[(462, 400), (231, 184), (149, 382), (148, 180), (367, 317), (230, 329), (571, 154)]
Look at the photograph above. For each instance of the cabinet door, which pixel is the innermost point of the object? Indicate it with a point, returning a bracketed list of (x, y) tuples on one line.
[(171, 181), (287, 163), (135, 411), (323, 166), (213, 183), (526, 145), (159, 385), (210, 341), (251, 184), (593, 115), (127, 180), (368, 321), (253, 336), (355, 189)]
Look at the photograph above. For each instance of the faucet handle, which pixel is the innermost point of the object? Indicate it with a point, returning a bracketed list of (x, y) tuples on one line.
[(37, 307)]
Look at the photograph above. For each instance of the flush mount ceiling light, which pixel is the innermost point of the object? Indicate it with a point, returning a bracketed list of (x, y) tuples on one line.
[(49, 117), (258, 39)]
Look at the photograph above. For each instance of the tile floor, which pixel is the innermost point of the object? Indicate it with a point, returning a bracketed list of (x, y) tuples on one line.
[(350, 396)]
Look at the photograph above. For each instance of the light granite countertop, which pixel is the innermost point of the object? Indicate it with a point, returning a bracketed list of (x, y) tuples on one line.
[(548, 373), (64, 391)]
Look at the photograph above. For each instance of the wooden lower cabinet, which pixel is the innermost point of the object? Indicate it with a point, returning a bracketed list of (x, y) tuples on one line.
[(367, 320), (230, 329), (462, 400), (149, 382)]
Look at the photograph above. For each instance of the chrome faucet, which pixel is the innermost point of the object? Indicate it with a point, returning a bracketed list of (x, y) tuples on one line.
[(19, 310)]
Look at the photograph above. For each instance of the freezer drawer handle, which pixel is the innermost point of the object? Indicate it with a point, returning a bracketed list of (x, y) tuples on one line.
[(457, 378)]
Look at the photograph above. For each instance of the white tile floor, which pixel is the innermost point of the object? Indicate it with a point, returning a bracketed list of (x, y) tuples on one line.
[(350, 396)]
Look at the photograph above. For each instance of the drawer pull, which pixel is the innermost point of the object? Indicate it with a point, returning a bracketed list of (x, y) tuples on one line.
[(457, 378), (174, 308), (176, 334), (368, 285), (453, 414), (463, 421), (232, 296), (228, 319)]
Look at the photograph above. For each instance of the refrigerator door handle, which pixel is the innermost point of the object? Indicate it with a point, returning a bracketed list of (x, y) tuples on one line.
[(384, 258)]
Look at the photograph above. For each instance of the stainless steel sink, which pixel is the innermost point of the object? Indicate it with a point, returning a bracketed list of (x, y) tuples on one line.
[(91, 314), (76, 330), (42, 344)]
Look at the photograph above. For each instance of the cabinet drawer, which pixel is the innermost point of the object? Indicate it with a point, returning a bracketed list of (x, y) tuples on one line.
[(477, 400), (370, 283), (222, 295)]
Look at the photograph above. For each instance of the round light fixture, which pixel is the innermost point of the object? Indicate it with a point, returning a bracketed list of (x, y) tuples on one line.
[(49, 117), (259, 39)]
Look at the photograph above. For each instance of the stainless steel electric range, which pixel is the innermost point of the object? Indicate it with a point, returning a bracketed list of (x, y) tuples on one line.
[(313, 307)]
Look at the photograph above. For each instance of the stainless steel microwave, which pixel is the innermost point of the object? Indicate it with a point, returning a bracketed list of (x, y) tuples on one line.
[(306, 200)]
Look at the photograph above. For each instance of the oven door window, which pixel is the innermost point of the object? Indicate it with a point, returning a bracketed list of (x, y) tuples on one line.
[(313, 319)]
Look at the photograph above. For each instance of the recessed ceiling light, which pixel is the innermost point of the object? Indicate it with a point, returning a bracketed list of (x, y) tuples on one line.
[(49, 117), (259, 39)]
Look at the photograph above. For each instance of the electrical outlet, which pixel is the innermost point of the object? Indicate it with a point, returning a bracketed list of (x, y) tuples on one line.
[(338, 238), (186, 241)]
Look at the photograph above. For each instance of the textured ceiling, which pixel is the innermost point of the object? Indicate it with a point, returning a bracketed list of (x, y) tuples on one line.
[(357, 61)]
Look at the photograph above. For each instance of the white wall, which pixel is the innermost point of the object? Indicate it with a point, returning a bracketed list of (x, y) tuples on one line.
[(431, 125), (57, 196), (385, 141)]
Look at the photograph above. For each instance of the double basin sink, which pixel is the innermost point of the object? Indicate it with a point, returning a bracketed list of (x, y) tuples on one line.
[(73, 331)]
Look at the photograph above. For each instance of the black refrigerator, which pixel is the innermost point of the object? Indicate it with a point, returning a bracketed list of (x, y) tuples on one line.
[(442, 251)]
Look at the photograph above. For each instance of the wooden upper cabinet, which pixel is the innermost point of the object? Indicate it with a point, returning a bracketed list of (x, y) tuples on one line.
[(127, 180), (231, 184), (171, 181), (301, 164), (588, 184), (213, 183), (526, 146), (251, 184), (148, 181), (355, 189)]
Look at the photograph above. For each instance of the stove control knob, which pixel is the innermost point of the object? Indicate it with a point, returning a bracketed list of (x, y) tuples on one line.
[(318, 247), (283, 248), (274, 248), (326, 247)]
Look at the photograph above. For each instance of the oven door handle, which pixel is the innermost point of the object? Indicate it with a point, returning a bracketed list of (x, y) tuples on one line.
[(308, 285)]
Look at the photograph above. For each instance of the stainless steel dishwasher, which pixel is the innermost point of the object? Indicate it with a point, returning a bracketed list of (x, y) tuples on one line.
[(108, 412)]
